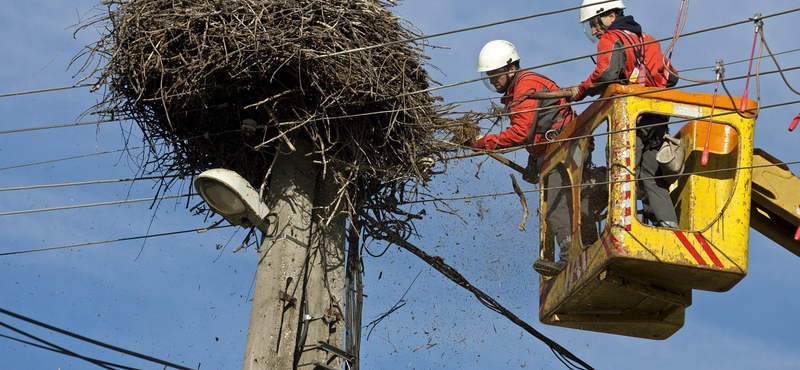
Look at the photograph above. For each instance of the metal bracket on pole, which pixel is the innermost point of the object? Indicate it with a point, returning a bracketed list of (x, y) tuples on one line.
[(318, 365), (330, 349), (286, 297)]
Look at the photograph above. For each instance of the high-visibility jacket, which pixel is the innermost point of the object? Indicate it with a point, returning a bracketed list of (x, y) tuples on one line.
[(640, 64), (531, 119)]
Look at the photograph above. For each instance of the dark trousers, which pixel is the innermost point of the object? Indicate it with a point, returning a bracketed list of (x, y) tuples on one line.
[(655, 197), (558, 195)]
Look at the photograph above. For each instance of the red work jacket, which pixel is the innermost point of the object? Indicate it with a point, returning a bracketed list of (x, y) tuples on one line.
[(641, 64), (530, 118)]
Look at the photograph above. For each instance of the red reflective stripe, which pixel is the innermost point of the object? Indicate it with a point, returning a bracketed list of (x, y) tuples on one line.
[(709, 251), (690, 248), (605, 245)]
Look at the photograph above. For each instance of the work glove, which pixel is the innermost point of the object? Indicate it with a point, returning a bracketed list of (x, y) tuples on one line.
[(479, 142), (531, 173), (578, 93)]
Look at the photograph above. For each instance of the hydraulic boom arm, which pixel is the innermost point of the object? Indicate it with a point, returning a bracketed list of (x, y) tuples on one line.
[(775, 208)]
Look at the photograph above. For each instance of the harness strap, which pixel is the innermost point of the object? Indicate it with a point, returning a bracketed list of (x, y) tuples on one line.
[(641, 62)]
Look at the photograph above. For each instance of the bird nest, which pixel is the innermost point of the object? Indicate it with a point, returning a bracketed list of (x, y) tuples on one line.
[(226, 83)]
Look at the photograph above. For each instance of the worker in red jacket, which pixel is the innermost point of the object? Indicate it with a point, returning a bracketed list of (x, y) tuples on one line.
[(642, 65), (532, 122)]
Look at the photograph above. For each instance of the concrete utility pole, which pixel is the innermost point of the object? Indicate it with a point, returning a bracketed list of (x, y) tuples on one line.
[(296, 319)]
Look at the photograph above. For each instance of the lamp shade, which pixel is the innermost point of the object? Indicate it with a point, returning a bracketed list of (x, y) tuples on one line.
[(232, 197)]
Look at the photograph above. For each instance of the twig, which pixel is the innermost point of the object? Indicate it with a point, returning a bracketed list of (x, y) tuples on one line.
[(521, 200)]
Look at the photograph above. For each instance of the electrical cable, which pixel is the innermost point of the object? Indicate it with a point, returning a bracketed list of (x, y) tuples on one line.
[(48, 209), (775, 60), (453, 275), (464, 156), (82, 183), (714, 28), (74, 124), (111, 241), (674, 39), (605, 134), (69, 158), (44, 90), (423, 37), (58, 349), (532, 67), (410, 202), (514, 148), (92, 341)]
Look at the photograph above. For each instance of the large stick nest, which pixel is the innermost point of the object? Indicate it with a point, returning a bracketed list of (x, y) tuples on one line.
[(226, 83)]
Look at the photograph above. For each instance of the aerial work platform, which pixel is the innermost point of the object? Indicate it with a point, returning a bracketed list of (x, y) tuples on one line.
[(637, 279)]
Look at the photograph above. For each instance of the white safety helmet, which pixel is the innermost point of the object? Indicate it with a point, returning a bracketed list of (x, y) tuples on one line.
[(494, 55), (593, 8)]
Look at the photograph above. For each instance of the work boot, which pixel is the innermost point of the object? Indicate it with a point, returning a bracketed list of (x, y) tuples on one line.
[(549, 268)]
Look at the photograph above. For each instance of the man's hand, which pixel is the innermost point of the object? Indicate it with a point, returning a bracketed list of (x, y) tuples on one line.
[(578, 93), (531, 173), (478, 143)]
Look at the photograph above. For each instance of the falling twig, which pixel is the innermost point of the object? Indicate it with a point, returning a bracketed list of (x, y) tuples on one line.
[(521, 200)]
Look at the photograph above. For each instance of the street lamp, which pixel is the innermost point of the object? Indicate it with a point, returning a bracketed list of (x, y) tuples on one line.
[(232, 197)]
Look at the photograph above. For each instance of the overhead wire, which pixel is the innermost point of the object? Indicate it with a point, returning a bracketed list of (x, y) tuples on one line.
[(69, 158), (67, 353), (477, 153), (49, 89), (472, 28), (674, 39), (406, 40), (709, 29), (93, 341), (82, 183), (453, 275), (608, 133), (74, 124), (781, 71), (116, 202), (108, 241), (61, 350)]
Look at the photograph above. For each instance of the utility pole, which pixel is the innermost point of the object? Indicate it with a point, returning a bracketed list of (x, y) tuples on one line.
[(296, 319)]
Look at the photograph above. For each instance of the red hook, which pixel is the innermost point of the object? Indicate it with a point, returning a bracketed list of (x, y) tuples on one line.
[(797, 233), (759, 24), (794, 122)]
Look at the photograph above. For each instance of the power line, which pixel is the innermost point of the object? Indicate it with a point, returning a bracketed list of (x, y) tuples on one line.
[(714, 28), (95, 342), (151, 199), (58, 349), (70, 158), (506, 150), (82, 183), (74, 124), (45, 90), (453, 275), (452, 32), (111, 241), (479, 79)]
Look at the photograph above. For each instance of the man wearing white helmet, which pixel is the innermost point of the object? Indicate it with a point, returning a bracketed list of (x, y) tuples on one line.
[(532, 122), (639, 64)]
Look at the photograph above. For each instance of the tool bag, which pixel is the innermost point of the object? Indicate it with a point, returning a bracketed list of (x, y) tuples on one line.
[(672, 156)]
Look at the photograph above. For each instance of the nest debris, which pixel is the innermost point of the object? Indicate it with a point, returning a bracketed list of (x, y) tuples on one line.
[(225, 83)]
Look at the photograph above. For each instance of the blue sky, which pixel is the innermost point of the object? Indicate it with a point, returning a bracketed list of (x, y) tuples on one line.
[(181, 299)]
